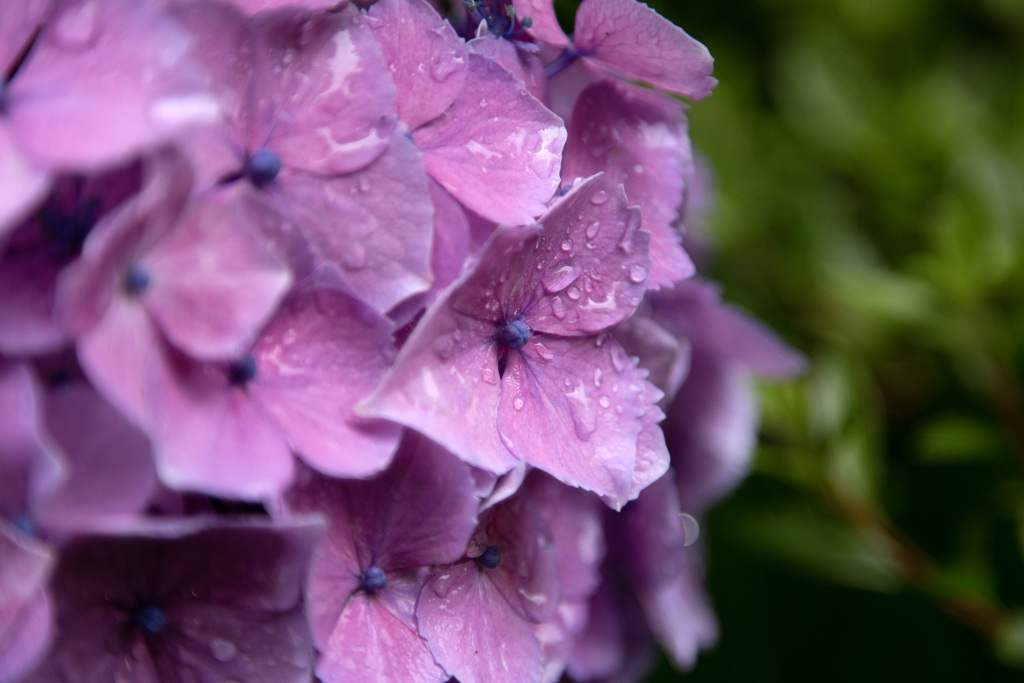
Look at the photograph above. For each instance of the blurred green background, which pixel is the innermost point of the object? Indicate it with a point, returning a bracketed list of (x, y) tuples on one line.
[(869, 158)]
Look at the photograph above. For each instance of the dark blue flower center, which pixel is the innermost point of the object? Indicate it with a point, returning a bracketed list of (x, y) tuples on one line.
[(150, 618), (136, 280), (242, 371), (374, 579), (25, 524), (490, 558), (262, 167), (515, 334)]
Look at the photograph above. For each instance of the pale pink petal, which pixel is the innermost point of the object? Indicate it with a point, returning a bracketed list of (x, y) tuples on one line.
[(445, 385), (545, 24), (592, 396), (382, 246), (497, 149), (24, 184), (105, 79), (589, 269), (318, 357), (210, 436), (640, 141), (213, 282), (25, 612), (664, 355), (371, 644), (472, 630), (18, 21), (333, 104), (514, 57), (110, 469), (638, 43), (427, 59)]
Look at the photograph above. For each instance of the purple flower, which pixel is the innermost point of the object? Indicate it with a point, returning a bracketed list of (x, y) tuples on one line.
[(383, 535), (477, 614), (210, 600), (510, 364)]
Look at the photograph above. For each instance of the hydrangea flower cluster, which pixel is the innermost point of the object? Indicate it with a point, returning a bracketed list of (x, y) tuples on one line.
[(335, 338)]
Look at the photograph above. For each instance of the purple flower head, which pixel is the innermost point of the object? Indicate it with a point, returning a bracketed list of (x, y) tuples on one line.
[(25, 610), (510, 364), (152, 601), (382, 536), (477, 614)]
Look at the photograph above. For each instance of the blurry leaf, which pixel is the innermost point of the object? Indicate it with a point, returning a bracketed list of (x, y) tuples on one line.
[(882, 294), (855, 464), (815, 543), (956, 439), (1009, 645)]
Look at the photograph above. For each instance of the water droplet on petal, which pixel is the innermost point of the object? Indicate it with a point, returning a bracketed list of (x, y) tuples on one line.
[(223, 650), (574, 293), (560, 278), (489, 376), (597, 377), (592, 229), (483, 103), (637, 274), (604, 402), (558, 308), (518, 403), (691, 529), (364, 184), (599, 197), (566, 244)]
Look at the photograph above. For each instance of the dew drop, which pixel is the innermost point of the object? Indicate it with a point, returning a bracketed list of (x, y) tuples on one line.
[(566, 244), (574, 293), (559, 279), (599, 197), (558, 308), (364, 184), (223, 650), (604, 402), (518, 403), (489, 376), (597, 377), (483, 103), (619, 410), (637, 274), (592, 229), (691, 529)]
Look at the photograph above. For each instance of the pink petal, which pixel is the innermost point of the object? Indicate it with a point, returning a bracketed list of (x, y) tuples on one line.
[(105, 79), (545, 24), (639, 140), (495, 135), (589, 269), (383, 246), (371, 644), (664, 355), (427, 59), (445, 385), (515, 58), (18, 21), (321, 354), (214, 283), (327, 86), (637, 42), (110, 467), (254, 6), (25, 612), (472, 630), (24, 183), (590, 394), (209, 436)]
